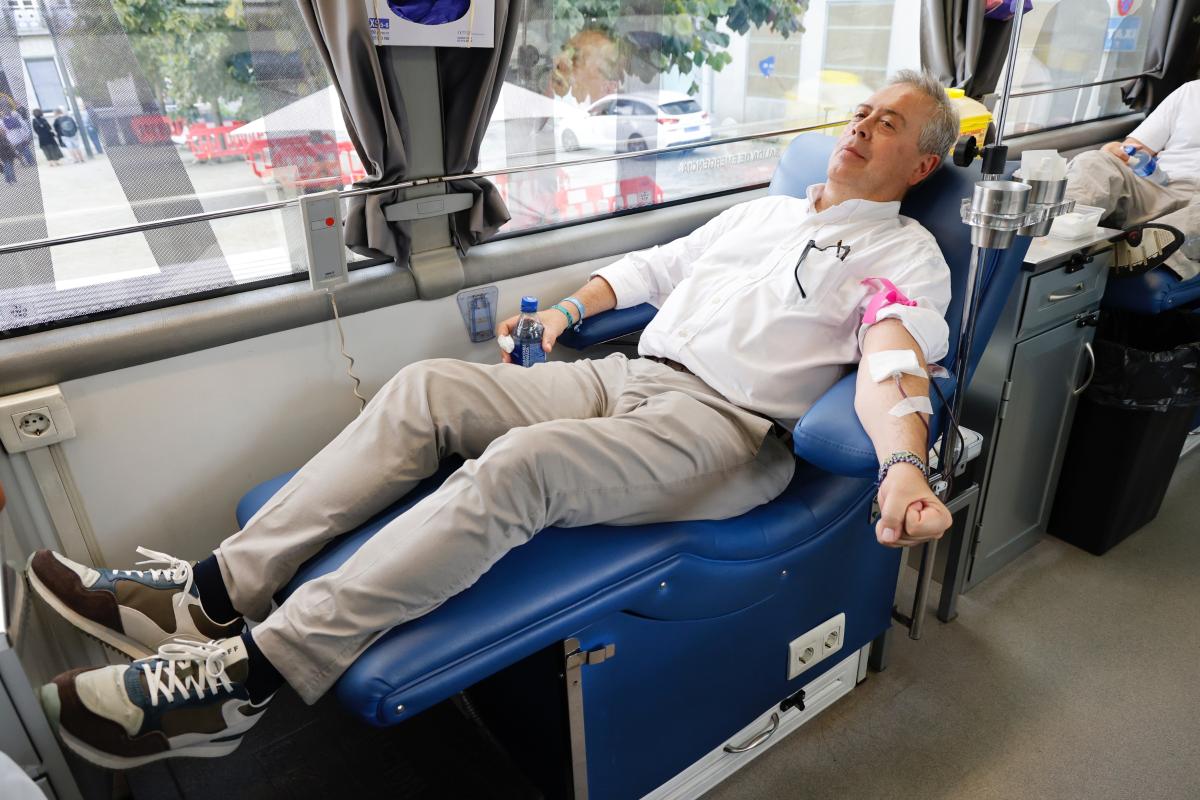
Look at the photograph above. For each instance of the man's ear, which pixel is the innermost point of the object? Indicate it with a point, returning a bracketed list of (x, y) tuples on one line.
[(924, 168)]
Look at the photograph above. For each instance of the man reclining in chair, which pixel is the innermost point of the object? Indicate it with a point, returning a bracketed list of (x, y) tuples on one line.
[(762, 310)]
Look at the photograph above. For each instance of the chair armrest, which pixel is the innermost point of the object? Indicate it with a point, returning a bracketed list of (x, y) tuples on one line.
[(831, 437), (608, 326)]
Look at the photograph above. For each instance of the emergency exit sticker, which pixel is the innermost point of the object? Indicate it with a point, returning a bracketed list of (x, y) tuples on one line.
[(432, 23), (1122, 35)]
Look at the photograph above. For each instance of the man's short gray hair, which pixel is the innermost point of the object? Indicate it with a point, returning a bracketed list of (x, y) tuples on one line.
[(941, 130)]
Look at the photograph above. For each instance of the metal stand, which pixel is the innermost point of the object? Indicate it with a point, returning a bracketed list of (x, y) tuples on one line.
[(996, 212)]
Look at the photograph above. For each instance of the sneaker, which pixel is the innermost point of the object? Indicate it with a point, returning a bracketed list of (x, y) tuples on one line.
[(189, 700), (135, 611)]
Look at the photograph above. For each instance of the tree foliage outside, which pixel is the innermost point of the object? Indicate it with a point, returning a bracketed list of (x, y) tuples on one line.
[(658, 36), (187, 54)]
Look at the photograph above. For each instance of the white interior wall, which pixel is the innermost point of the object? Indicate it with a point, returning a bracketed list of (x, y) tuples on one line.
[(165, 450)]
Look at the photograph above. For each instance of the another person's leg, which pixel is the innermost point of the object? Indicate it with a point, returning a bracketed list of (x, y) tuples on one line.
[(1100, 179)]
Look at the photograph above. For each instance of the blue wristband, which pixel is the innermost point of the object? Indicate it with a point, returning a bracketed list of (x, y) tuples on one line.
[(575, 302)]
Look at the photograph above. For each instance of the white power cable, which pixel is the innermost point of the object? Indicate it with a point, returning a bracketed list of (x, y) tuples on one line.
[(362, 401)]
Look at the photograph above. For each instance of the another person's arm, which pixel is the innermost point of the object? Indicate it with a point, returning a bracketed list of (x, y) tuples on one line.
[(911, 513), (1154, 132), (1118, 148)]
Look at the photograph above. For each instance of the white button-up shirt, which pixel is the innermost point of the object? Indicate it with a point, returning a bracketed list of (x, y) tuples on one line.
[(730, 309)]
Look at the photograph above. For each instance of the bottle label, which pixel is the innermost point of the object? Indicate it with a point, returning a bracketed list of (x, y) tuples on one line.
[(526, 354)]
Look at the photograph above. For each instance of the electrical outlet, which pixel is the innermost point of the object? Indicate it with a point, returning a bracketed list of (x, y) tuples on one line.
[(35, 424), (34, 419), (833, 633), (810, 649)]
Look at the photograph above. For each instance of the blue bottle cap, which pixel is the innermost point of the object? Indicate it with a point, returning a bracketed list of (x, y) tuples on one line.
[(529, 305), (1130, 149)]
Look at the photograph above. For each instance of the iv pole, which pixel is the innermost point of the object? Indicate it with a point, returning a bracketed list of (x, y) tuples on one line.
[(997, 211)]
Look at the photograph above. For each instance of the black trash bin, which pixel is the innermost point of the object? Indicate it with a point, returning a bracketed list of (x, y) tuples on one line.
[(1129, 427)]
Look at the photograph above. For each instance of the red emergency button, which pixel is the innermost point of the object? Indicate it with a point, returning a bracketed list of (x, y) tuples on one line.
[(329, 222)]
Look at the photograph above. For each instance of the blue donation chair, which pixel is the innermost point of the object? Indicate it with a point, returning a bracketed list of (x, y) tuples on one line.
[(696, 617), (1151, 292)]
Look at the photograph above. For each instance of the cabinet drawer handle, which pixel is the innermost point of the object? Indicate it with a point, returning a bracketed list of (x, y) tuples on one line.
[(1055, 297), (757, 739), (1091, 373)]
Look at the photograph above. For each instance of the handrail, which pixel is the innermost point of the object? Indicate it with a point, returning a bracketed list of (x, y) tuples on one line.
[(1036, 92), (34, 244)]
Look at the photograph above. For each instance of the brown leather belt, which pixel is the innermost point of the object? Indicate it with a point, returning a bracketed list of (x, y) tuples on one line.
[(675, 365)]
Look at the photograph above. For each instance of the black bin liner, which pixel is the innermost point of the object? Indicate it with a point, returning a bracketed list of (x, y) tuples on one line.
[(1129, 427), (1147, 362)]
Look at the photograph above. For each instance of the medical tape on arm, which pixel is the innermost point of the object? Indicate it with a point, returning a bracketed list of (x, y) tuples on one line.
[(912, 405), (891, 365), (887, 364)]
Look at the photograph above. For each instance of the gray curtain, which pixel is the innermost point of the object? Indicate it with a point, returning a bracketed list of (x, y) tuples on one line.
[(1172, 54), (470, 80), (961, 47), (375, 117)]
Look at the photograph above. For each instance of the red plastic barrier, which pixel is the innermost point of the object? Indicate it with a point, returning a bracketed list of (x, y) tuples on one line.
[(215, 141), (315, 160)]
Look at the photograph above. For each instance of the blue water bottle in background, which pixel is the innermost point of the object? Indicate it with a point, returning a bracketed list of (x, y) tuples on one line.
[(527, 335), (1145, 165)]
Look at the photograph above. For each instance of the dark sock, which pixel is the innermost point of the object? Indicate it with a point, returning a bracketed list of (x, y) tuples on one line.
[(214, 597), (263, 680)]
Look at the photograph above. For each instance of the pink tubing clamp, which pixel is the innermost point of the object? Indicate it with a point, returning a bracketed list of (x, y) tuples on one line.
[(887, 295)]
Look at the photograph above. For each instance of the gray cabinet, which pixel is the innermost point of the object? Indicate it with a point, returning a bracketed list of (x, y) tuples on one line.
[(1023, 395)]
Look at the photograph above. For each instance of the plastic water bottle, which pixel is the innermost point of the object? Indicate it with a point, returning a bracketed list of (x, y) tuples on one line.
[(1191, 247), (527, 335), (1145, 165)]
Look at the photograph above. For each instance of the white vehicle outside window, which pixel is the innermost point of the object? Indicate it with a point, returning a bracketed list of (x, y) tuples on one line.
[(634, 122)]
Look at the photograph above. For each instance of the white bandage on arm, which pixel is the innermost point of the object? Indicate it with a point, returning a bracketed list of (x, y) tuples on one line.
[(912, 405), (888, 364)]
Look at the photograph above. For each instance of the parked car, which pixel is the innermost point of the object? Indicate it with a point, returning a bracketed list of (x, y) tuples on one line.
[(638, 121)]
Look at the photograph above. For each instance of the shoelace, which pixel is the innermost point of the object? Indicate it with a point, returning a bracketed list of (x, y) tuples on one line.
[(161, 677), (177, 570)]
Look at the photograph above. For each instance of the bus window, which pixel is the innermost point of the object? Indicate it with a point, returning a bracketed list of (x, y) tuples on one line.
[(586, 87), (121, 116), (1073, 42)]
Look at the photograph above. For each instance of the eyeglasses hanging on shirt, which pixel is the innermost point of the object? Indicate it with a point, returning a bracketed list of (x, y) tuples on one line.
[(841, 251)]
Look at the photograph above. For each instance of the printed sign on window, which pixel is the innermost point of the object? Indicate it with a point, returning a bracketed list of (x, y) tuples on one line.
[(1122, 35), (432, 23)]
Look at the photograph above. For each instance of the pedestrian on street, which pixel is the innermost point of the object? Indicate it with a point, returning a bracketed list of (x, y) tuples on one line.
[(16, 127), (8, 154), (68, 134), (47, 138)]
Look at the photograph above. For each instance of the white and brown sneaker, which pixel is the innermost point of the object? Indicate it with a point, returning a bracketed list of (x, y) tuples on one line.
[(135, 611), (189, 700)]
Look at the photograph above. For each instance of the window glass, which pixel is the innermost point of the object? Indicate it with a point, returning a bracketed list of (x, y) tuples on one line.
[(118, 112), (681, 107), (1071, 42), (687, 73)]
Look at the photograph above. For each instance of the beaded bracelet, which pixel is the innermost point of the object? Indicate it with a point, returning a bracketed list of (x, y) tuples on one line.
[(901, 457)]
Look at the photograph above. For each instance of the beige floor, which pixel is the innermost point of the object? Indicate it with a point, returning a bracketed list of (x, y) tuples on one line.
[(1065, 676)]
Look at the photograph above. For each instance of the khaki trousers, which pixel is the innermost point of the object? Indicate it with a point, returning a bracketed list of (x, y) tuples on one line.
[(1097, 178), (614, 441)]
